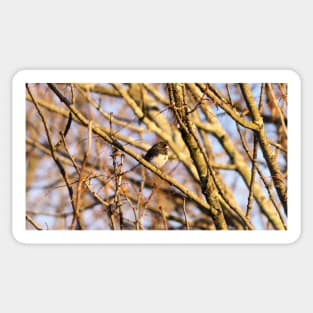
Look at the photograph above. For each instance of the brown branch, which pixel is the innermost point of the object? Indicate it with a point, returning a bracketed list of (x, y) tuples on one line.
[(76, 222), (271, 216), (156, 94), (210, 185), (253, 170), (71, 161), (109, 116), (228, 108), (67, 127), (203, 206), (53, 149), (31, 221), (164, 217), (117, 169), (272, 99), (65, 113), (214, 127), (185, 214), (177, 151), (265, 145), (254, 159), (140, 114), (102, 90), (179, 107)]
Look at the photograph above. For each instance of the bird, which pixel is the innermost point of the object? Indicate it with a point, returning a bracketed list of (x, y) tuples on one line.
[(157, 155)]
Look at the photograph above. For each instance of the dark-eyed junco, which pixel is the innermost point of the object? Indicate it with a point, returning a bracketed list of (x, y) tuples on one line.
[(156, 155)]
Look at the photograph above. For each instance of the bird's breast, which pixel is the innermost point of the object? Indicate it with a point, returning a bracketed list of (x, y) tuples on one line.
[(159, 160)]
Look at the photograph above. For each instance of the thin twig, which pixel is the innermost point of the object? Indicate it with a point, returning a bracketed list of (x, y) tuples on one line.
[(254, 160), (228, 108), (31, 221), (53, 149), (76, 217), (272, 162), (156, 94), (266, 184), (273, 100), (109, 116), (117, 169), (278, 146), (215, 128), (253, 170), (164, 217), (203, 205), (185, 214)]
